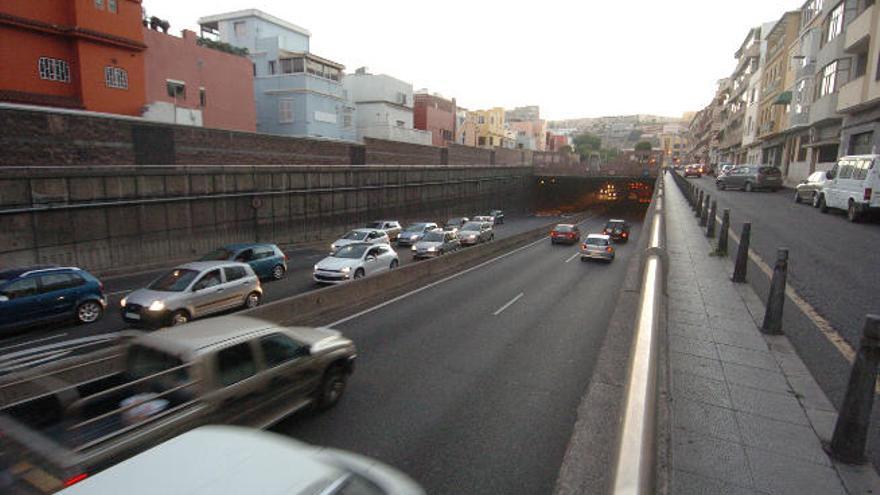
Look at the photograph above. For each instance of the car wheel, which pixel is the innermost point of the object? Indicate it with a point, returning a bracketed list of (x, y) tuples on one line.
[(823, 206), (278, 272), (584, 259), (179, 317), (332, 387), (815, 200), (89, 312), (748, 187), (797, 197), (393, 265), (359, 273), (852, 213), (252, 300)]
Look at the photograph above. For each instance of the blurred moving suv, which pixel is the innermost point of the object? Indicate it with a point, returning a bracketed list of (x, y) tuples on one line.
[(191, 291), (267, 260), (853, 185), (40, 294), (230, 460)]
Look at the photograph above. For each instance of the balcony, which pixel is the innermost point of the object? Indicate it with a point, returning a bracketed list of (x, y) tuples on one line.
[(859, 30), (825, 108), (851, 95), (800, 119), (806, 71)]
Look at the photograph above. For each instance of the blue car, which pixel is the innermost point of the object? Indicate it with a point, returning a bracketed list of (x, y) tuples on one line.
[(41, 294), (267, 260)]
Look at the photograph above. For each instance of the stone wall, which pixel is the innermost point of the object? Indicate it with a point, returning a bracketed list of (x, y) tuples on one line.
[(124, 218)]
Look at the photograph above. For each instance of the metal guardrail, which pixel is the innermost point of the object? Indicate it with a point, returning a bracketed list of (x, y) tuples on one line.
[(634, 466)]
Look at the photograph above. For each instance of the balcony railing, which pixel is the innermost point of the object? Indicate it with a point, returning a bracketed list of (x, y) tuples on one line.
[(859, 29)]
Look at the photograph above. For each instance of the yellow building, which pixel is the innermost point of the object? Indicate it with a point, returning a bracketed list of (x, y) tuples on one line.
[(490, 127)]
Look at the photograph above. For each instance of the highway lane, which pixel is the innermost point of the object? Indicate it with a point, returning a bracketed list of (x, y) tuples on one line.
[(35, 345), (472, 385)]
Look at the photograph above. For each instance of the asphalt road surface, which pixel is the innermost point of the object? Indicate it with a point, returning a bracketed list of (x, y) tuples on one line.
[(41, 344), (472, 385), (833, 266)]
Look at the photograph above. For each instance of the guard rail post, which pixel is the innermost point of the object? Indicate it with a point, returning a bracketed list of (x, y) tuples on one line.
[(722, 235), (742, 254)]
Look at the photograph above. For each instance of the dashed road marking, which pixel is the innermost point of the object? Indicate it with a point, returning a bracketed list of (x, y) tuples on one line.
[(509, 304)]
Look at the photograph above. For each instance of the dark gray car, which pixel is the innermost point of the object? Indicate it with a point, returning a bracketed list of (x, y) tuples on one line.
[(751, 177), (810, 188)]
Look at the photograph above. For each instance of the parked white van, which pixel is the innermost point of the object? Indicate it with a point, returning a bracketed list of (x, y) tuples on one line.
[(853, 185)]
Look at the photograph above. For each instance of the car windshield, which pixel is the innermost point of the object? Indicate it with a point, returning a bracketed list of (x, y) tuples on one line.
[(416, 227), (374, 225), (596, 241), (613, 225), (355, 235), (453, 221), (176, 280), (770, 171), (355, 251), (471, 226), (220, 254), (433, 237), (144, 361), (563, 228)]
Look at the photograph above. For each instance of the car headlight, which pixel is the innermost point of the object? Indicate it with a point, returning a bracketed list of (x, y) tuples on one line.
[(472, 236), (346, 269), (122, 302), (157, 306), (413, 247), (332, 247), (413, 237), (432, 249), (315, 268)]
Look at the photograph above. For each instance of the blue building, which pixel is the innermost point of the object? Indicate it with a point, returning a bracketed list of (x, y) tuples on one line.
[(297, 93)]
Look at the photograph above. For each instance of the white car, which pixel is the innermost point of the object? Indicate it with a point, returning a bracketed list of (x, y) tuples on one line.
[(370, 236), (230, 460), (355, 261), (853, 186)]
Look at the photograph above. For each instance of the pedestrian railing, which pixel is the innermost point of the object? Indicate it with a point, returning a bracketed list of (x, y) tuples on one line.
[(634, 467)]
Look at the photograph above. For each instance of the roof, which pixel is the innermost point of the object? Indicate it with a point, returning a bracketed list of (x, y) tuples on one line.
[(203, 265), (565, 225), (616, 220), (242, 245), (217, 460), (311, 56), (17, 272), (259, 14), (598, 236), (205, 333)]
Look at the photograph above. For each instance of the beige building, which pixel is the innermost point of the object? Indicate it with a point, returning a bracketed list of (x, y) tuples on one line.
[(490, 127), (778, 75), (859, 99)]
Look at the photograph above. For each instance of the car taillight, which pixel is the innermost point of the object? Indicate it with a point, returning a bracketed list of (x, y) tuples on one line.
[(624, 234), (75, 479), (286, 258), (868, 192)]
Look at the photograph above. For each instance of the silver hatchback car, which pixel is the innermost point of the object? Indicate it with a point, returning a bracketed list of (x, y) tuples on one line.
[(597, 246), (191, 291)]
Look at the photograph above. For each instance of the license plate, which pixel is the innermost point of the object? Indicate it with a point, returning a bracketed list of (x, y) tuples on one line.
[(133, 316)]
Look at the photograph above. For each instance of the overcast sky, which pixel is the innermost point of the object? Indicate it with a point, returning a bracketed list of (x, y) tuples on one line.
[(577, 58)]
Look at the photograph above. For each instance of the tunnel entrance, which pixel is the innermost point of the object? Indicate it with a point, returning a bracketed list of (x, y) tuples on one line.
[(561, 195)]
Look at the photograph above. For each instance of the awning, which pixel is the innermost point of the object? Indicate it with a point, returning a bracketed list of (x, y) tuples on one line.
[(826, 142), (784, 98)]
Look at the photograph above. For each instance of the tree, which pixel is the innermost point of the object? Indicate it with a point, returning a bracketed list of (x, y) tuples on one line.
[(643, 146)]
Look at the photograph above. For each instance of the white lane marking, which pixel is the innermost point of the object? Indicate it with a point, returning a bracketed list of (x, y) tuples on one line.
[(51, 337), (575, 255), (509, 304), (71, 344), (442, 280)]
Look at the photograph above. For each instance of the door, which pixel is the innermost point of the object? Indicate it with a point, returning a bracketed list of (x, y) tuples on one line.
[(371, 261), (264, 261), (838, 190), (208, 293), (236, 284), (289, 375), (248, 256), (59, 293), (22, 305), (241, 386)]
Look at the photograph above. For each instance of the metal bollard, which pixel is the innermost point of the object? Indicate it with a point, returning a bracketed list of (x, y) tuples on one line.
[(698, 205), (722, 236), (710, 227), (851, 429), (742, 254), (704, 212), (776, 298)]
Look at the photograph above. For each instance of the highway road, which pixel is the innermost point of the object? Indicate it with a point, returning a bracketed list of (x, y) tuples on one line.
[(472, 385), (40, 344)]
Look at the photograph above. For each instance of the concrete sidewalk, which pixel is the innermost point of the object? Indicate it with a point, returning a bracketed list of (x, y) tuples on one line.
[(746, 415)]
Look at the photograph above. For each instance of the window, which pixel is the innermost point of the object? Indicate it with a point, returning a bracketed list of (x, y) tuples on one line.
[(285, 110), (111, 6), (827, 80), (278, 349), (834, 23), (234, 272), (255, 69), (99, 4), (481, 141), (271, 67), (861, 144), (802, 150), (53, 69), (176, 89), (240, 28), (846, 169), (59, 281), (860, 169), (827, 153), (116, 77), (263, 253), (299, 65), (358, 485), (235, 363), (20, 288), (210, 279), (400, 123), (861, 64), (203, 97)]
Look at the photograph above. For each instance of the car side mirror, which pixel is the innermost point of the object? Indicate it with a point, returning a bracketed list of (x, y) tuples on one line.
[(4, 298), (829, 175)]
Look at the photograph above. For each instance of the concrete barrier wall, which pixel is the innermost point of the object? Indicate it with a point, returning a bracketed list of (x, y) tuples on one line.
[(383, 152), (504, 156), (110, 219), (468, 155)]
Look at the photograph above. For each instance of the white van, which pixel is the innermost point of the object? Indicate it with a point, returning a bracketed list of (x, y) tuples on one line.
[(853, 185)]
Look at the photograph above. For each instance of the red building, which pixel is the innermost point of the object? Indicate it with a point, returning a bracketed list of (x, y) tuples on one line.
[(195, 85), (435, 114), (556, 142), (85, 54)]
